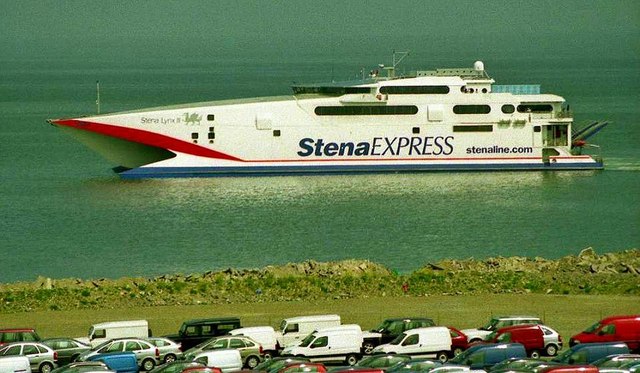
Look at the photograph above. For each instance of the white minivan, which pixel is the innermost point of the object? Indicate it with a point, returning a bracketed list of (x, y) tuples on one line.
[(105, 331), (228, 360), (265, 335), (294, 329), (335, 344), (14, 364), (432, 341)]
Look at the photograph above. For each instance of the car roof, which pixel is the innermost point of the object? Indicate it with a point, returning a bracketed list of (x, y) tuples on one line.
[(519, 327)]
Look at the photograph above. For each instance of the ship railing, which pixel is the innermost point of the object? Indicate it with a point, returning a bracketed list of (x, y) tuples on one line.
[(564, 113)]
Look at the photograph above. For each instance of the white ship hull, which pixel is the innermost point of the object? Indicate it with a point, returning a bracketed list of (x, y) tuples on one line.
[(342, 133)]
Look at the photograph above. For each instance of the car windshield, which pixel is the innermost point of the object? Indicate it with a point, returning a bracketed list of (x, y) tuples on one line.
[(398, 339), (308, 339), (101, 345), (592, 328), (365, 362), (491, 325), (382, 327)]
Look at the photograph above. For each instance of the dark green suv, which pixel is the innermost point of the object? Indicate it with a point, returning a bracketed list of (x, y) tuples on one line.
[(193, 332)]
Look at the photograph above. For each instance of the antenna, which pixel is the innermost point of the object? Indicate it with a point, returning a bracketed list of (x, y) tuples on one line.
[(402, 56), (98, 95)]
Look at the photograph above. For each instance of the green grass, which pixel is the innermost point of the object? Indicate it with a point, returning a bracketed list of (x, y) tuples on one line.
[(569, 314)]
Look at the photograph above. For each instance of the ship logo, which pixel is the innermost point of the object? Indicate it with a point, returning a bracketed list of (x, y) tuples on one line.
[(192, 119)]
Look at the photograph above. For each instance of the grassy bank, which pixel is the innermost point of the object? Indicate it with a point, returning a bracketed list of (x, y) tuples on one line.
[(569, 314)]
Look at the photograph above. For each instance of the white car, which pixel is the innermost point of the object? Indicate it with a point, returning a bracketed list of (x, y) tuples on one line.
[(41, 357)]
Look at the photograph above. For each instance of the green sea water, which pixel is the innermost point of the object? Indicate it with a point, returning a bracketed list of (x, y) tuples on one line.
[(65, 214)]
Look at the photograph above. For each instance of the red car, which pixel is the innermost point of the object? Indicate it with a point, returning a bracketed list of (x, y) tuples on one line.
[(303, 367), (612, 329), (459, 341)]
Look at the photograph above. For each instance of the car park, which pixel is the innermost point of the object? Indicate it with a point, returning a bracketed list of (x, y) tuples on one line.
[(250, 350), (15, 364), (587, 353), (121, 362), (168, 350), (196, 331), (433, 341), (228, 360), (485, 356), (612, 329), (479, 334), (18, 335), (41, 357), (147, 355), (68, 349)]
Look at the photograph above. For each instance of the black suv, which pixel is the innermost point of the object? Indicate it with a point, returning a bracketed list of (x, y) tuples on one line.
[(193, 332), (391, 328)]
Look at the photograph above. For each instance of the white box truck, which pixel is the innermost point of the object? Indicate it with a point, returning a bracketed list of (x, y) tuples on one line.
[(432, 341), (294, 329), (105, 331), (335, 344)]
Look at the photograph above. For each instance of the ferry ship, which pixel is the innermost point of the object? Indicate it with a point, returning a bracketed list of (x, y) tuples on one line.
[(450, 119)]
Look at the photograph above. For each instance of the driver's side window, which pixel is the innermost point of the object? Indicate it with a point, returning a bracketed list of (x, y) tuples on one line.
[(411, 340)]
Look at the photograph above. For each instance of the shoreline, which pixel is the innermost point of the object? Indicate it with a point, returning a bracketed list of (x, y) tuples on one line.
[(586, 273)]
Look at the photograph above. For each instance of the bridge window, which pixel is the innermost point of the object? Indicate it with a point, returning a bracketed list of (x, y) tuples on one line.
[(508, 109), (414, 89), (535, 108)]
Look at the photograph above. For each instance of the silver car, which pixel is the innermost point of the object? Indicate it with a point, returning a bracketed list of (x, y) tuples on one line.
[(41, 357), (147, 354), (170, 351)]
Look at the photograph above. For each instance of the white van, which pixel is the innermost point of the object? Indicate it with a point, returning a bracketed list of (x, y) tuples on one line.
[(294, 329), (336, 344), (432, 341), (14, 364), (227, 360), (265, 335), (105, 331)]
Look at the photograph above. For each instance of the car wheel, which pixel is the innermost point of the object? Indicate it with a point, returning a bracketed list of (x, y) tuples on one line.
[(534, 354), (351, 360), (367, 348), (148, 364), (457, 351), (169, 358), (268, 355), (252, 362), (551, 350), (442, 356), (46, 368)]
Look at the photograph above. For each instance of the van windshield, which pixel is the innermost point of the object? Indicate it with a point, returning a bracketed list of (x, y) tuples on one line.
[(307, 340), (593, 328), (398, 339), (283, 325)]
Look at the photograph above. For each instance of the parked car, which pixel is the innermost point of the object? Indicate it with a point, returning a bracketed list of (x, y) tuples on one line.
[(228, 360), (391, 328), (335, 344), (41, 357), (250, 350), (378, 361), (147, 355), (194, 332), (415, 365), (18, 335), (485, 356), (432, 341), (479, 334), (274, 364), (121, 362), (264, 335), (459, 341), (15, 364), (616, 361), (68, 349), (612, 329), (530, 336), (169, 350), (294, 329), (84, 367), (105, 331), (587, 353), (303, 367), (176, 366)]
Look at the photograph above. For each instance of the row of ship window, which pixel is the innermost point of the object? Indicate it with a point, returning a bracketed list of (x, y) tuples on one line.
[(412, 109)]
